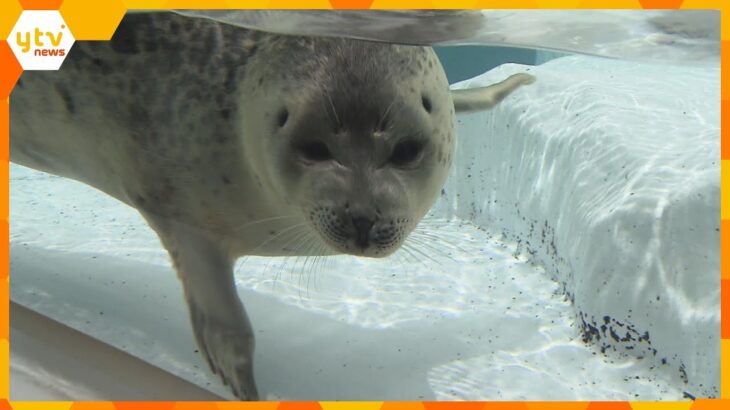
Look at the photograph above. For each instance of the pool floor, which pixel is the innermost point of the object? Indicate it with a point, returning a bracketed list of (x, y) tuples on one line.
[(458, 313)]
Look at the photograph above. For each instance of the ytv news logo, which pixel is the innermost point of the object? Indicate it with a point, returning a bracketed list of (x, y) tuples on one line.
[(40, 40)]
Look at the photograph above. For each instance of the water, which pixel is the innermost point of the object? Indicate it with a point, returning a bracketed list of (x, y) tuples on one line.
[(676, 36), (460, 312), (456, 307)]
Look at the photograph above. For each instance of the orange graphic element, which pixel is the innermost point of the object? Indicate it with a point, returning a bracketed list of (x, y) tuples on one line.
[(725, 308), (725, 128), (92, 19), (724, 191), (351, 405), (505, 405), (40, 4), (724, 368), (194, 405), (432, 405), (4, 405), (9, 12), (10, 70), (725, 62), (92, 405), (254, 405), (196, 4), (4, 140), (725, 247), (4, 290), (351, 4), (300, 405), (5, 372), (144, 405), (402, 406), (558, 405), (408, 4), (4, 240), (661, 4), (609, 405), (653, 405), (299, 4), (706, 404), (145, 4), (4, 227)]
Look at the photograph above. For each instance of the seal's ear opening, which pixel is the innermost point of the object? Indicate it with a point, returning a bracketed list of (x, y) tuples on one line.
[(426, 102), (485, 98), (282, 117)]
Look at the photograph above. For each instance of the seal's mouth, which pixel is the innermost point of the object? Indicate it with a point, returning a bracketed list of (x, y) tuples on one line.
[(361, 236), (361, 240)]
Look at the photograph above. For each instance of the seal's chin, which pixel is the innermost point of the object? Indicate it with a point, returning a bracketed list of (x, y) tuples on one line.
[(367, 252)]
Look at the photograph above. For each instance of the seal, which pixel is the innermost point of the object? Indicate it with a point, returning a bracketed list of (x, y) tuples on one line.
[(233, 142)]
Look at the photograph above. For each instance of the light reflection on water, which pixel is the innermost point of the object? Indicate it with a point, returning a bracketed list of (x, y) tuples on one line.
[(487, 323), (468, 271)]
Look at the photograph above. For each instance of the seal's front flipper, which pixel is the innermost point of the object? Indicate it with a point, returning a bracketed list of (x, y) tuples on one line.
[(484, 98), (220, 323)]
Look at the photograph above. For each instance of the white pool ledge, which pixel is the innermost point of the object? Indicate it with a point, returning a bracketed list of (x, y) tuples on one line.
[(608, 174)]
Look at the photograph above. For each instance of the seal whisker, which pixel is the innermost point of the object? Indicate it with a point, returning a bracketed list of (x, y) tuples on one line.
[(428, 243), (395, 114), (321, 260), (416, 248), (398, 257), (292, 234), (277, 236), (384, 119), (413, 260), (307, 246), (308, 261), (325, 262), (427, 237), (334, 110), (293, 240)]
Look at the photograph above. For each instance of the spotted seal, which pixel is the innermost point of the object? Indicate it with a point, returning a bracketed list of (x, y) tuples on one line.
[(234, 142)]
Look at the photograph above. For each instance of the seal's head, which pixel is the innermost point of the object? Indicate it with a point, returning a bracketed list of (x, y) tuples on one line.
[(362, 134)]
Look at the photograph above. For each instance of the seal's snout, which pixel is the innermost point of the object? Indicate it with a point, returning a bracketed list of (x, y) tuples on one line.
[(363, 226), (359, 232)]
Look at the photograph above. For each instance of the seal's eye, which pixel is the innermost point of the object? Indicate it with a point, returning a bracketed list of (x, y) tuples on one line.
[(406, 152), (315, 151)]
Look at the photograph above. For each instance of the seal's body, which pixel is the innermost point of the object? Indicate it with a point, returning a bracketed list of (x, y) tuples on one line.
[(235, 142)]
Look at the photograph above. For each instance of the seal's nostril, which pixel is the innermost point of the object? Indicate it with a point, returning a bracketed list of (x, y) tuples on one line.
[(362, 230)]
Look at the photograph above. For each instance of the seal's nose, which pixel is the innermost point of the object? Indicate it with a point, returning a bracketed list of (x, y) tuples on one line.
[(362, 231)]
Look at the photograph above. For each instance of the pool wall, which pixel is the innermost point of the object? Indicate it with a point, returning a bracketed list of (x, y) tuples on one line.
[(607, 173), (465, 62)]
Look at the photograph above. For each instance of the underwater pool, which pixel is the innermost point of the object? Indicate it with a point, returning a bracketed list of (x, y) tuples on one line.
[(573, 255)]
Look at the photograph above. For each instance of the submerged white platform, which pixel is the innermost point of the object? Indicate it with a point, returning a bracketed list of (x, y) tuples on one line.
[(607, 173), (589, 199)]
